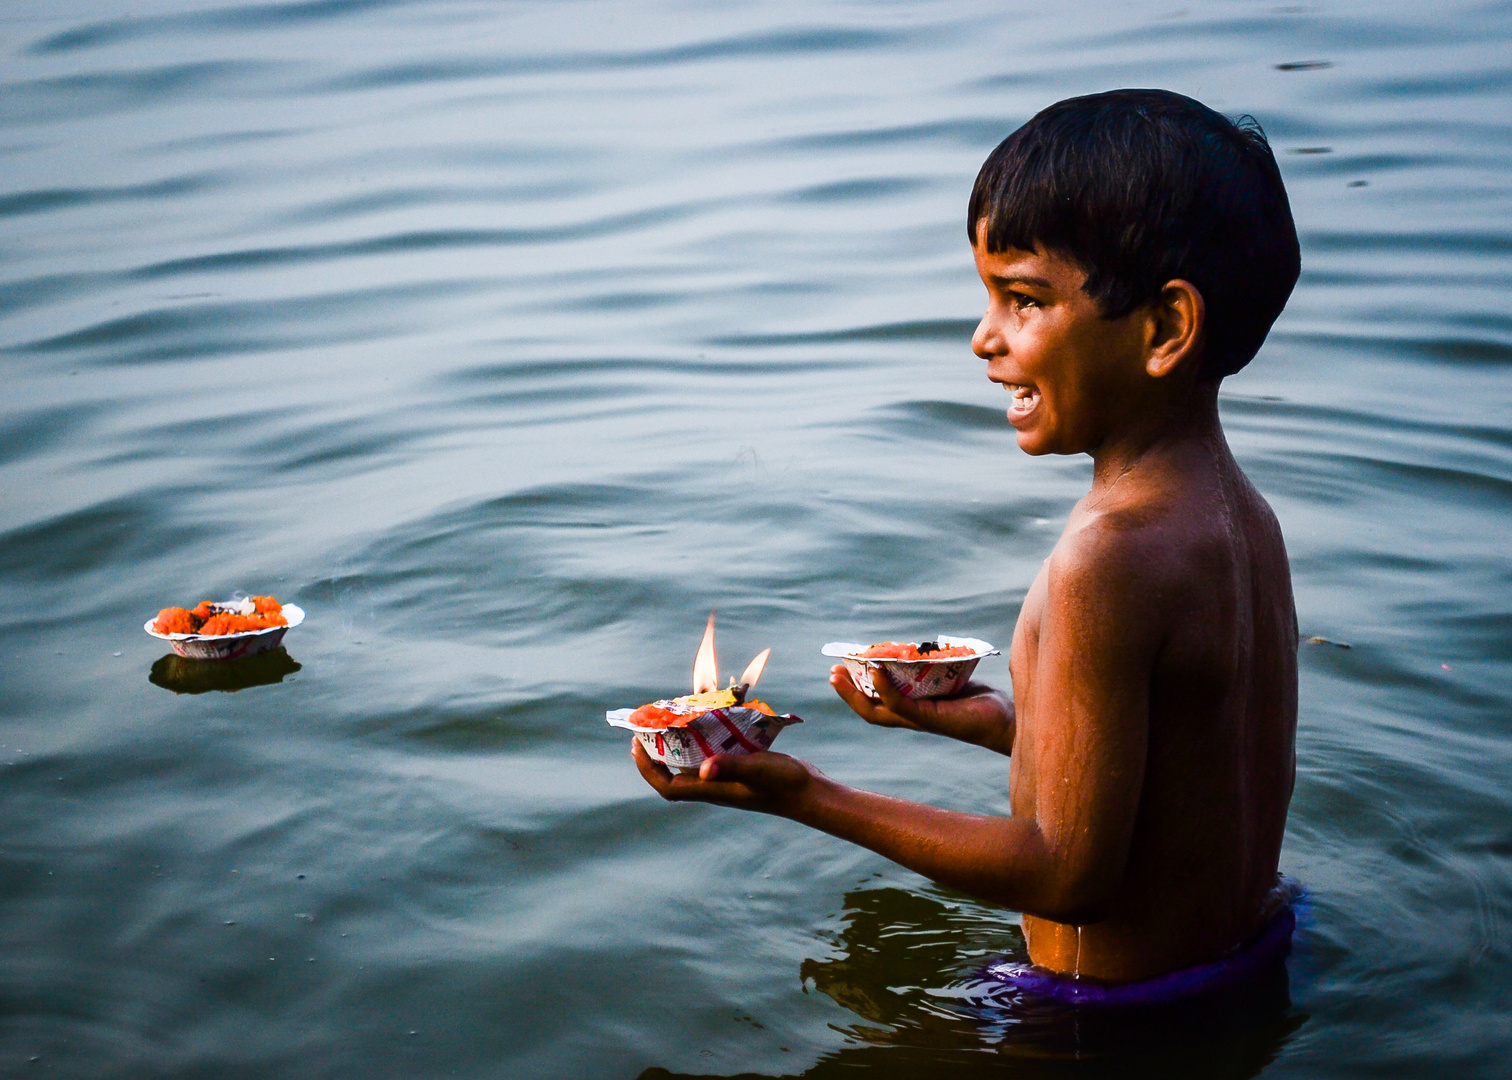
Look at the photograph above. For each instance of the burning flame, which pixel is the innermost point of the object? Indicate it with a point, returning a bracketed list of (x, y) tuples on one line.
[(705, 667), (754, 669)]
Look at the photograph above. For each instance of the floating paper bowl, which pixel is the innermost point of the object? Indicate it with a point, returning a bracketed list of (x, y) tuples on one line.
[(736, 731), (229, 646), (924, 678)]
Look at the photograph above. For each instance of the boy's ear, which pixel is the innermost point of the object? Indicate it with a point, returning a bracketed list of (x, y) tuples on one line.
[(1178, 317)]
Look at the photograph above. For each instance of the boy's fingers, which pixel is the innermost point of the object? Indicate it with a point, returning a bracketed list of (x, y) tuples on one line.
[(732, 769), (868, 708), (681, 787), (762, 781), (893, 698), (653, 772), (669, 785), (656, 774), (858, 699), (851, 694)]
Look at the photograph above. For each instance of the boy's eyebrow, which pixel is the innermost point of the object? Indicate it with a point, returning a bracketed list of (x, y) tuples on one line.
[(1020, 279)]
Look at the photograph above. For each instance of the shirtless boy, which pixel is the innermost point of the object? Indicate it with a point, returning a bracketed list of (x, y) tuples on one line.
[(1136, 247)]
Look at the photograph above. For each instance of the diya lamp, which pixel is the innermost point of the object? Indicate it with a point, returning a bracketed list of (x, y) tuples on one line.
[(683, 732), (193, 645), (926, 669)]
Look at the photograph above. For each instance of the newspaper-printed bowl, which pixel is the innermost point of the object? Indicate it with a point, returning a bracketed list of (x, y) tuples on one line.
[(924, 678), (735, 730), (229, 646)]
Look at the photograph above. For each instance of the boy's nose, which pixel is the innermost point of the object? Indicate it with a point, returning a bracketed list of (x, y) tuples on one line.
[(986, 342)]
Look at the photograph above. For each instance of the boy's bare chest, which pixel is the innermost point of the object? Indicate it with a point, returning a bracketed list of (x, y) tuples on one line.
[(1023, 655), (1024, 651)]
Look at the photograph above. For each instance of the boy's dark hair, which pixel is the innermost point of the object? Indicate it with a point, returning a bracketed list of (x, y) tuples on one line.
[(1138, 187)]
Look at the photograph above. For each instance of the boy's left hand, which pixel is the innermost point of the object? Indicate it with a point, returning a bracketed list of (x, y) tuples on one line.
[(979, 714), (767, 782)]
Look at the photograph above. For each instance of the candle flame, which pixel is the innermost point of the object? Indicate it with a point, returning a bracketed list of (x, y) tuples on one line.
[(754, 669), (705, 667)]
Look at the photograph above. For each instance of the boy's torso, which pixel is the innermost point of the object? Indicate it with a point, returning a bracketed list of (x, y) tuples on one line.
[(1221, 685)]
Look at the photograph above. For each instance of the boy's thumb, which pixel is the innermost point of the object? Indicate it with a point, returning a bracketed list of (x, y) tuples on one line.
[(722, 767), (889, 694)]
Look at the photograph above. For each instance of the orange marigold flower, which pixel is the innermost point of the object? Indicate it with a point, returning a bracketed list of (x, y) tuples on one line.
[(228, 623), (175, 620)]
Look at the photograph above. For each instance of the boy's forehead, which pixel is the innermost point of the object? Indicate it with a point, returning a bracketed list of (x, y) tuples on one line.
[(1039, 267)]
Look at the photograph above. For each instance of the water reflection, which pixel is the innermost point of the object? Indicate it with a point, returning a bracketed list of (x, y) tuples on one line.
[(903, 959), (185, 676), (910, 966), (1237, 1060)]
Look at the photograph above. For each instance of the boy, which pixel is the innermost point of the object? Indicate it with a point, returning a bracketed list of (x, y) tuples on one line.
[(1136, 247)]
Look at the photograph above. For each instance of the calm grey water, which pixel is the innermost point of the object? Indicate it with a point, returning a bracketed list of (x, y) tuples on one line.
[(509, 339)]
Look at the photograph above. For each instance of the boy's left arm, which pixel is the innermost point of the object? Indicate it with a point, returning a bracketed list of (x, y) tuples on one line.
[(1062, 855)]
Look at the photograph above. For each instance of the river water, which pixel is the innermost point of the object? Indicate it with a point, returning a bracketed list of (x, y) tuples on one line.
[(509, 339)]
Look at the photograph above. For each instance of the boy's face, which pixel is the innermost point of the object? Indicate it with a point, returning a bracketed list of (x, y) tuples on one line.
[(1074, 375)]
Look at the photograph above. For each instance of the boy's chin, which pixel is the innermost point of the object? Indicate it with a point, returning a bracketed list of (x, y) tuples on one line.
[(1036, 444), (1032, 444)]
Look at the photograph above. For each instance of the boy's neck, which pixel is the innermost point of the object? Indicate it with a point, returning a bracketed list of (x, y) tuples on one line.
[(1158, 434)]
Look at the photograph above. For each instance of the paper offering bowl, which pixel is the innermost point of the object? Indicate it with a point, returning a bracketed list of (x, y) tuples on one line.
[(914, 678), (229, 646), (735, 730)]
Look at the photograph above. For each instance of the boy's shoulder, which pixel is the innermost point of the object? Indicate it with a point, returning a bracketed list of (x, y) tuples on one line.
[(1151, 541)]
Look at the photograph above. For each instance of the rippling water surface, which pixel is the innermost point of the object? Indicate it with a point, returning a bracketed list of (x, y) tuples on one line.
[(507, 339)]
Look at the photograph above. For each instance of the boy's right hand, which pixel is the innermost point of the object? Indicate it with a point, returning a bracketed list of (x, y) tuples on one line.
[(979, 714)]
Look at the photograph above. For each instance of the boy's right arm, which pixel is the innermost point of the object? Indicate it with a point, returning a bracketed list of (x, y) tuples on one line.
[(980, 714)]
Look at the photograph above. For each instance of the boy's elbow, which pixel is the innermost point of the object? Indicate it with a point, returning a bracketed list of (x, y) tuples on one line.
[(1077, 899), (1075, 910)]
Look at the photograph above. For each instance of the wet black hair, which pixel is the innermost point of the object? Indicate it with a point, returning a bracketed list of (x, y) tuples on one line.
[(1138, 187)]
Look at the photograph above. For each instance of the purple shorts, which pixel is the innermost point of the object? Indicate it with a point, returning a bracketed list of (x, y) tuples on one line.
[(1233, 973)]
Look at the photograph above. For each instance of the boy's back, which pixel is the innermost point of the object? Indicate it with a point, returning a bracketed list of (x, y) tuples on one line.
[(1199, 557)]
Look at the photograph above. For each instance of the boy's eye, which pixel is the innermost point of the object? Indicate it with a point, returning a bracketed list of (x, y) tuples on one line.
[(1022, 300)]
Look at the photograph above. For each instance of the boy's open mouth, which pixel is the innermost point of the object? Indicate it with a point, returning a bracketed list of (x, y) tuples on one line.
[(1025, 398)]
